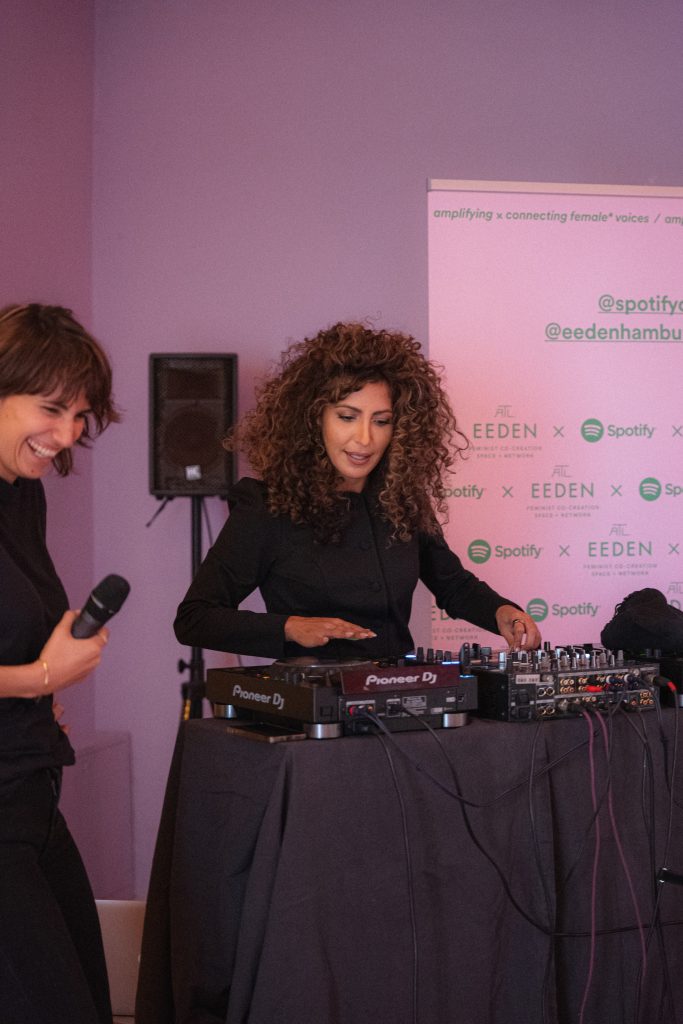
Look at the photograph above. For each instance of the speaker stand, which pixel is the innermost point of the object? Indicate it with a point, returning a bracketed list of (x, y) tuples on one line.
[(192, 691)]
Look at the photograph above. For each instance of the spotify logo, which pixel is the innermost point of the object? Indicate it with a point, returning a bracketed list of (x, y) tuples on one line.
[(537, 608), (650, 488), (592, 430), (479, 551)]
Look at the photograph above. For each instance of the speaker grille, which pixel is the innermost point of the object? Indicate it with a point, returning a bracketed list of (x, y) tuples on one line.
[(192, 407)]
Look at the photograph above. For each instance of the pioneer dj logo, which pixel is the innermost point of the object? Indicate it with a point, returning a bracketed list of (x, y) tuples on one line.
[(426, 678), (479, 551), (592, 431), (537, 608), (650, 488), (274, 697)]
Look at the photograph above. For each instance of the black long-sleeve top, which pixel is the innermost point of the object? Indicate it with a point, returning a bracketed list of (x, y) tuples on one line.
[(32, 600), (367, 579)]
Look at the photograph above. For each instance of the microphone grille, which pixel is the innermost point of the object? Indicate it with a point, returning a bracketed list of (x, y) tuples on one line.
[(111, 592)]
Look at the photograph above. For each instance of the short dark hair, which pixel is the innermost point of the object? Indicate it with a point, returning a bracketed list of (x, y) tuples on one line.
[(44, 350)]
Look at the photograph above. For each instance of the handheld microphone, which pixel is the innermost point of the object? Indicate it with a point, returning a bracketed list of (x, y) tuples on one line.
[(104, 601)]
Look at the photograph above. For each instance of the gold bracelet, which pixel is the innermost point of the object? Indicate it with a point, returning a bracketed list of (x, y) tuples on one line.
[(46, 674)]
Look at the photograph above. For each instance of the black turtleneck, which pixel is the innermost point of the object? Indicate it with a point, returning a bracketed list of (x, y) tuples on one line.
[(32, 600)]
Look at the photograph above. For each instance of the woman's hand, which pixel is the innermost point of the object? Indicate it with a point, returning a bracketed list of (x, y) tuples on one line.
[(57, 712), (316, 632), (69, 660), (518, 628)]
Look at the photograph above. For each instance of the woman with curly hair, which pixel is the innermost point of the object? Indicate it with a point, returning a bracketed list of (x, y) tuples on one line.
[(351, 440)]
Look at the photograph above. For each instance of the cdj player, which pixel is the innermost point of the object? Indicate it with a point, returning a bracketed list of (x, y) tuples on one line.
[(325, 699)]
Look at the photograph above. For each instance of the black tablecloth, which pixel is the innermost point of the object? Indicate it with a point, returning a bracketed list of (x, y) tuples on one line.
[(462, 877)]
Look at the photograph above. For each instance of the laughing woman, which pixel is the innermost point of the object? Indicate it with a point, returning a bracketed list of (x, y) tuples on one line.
[(351, 441), (55, 392)]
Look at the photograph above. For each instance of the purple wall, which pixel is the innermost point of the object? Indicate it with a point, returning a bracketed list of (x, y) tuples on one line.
[(260, 171), (46, 90)]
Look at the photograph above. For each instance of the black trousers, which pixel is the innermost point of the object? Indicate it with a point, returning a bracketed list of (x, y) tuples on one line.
[(52, 968)]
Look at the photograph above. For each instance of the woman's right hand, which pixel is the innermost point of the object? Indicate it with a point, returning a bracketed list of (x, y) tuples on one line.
[(69, 660), (316, 632)]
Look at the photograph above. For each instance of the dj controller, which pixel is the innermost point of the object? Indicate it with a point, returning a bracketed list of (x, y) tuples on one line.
[(307, 697), (560, 682)]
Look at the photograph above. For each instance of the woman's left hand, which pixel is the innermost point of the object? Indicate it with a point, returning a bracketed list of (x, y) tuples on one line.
[(58, 711), (518, 628)]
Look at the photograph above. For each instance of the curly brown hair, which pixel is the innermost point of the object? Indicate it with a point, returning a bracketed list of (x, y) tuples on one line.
[(283, 441), (44, 350)]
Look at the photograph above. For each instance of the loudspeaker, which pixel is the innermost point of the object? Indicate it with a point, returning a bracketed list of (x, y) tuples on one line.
[(192, 400)]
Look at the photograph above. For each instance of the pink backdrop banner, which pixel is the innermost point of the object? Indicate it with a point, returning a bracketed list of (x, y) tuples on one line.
[(557, 314)]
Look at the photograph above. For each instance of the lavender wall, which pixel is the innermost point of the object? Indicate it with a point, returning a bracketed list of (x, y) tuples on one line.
[(46, 101), (260, 171)]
